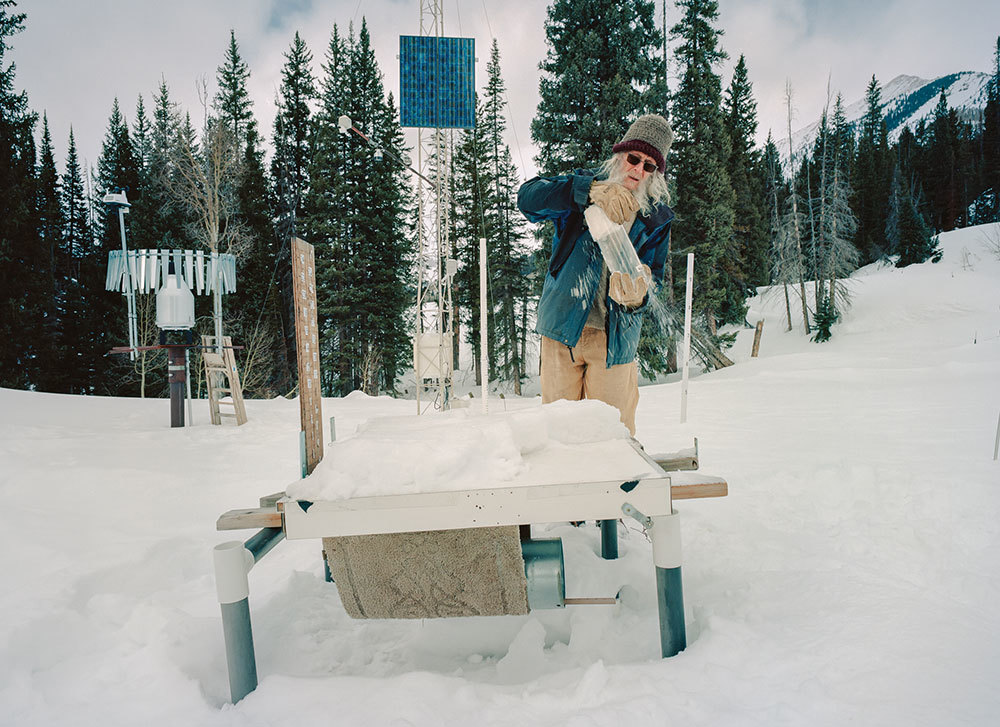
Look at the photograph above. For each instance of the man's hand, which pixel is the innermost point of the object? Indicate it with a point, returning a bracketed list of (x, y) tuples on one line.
[(627, 290), (616, 201)]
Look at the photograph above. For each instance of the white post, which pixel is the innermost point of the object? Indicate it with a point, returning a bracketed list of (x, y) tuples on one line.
[(996, 445), (217, 301), (484, 358), (187, 383), (688, 292), (133, 329)]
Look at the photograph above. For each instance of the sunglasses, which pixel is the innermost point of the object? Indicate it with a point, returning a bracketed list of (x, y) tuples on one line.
[(634, 160)]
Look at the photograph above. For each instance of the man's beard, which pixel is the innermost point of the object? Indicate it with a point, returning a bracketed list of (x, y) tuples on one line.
[(641, 193)]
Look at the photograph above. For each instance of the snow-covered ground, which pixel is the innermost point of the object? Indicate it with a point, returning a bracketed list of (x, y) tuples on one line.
[(851, 576)]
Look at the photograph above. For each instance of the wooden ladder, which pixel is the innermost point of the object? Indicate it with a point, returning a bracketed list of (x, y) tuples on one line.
[(223, 379)]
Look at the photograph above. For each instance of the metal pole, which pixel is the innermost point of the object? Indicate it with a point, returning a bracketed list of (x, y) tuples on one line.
[(996, 445), (333, 429), (133, 329), (217, 302), (176, 369), (688, 295), (232, 563), (609, 539), (303, 462), (484, 354), (666, 536), (187, 382)]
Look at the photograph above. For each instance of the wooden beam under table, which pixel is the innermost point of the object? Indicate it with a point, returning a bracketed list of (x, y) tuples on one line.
[(249, 519)]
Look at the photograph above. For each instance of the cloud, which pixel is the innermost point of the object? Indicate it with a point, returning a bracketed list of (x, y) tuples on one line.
[(75, 57)]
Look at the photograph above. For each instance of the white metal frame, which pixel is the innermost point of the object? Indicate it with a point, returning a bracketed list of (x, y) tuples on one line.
[(488, 507)]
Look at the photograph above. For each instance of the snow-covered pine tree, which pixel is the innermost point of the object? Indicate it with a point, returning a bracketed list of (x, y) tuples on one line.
[(788, 259), (838, 257)]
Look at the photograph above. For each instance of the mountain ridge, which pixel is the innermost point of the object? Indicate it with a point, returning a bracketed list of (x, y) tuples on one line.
[(905, 101)]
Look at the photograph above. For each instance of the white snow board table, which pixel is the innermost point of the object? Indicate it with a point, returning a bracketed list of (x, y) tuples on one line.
[(642, 490)]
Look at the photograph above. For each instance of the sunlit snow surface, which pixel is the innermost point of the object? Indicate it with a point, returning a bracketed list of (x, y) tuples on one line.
[(851, 576)]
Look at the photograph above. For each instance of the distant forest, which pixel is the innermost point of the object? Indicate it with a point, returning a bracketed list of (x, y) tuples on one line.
[(226, 185)]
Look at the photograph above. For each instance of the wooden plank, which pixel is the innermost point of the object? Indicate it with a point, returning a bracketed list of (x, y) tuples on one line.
[(756, 339), (307, 349), (681, 460), (675, 463), (251, 518), (716, 488), (271, 500)]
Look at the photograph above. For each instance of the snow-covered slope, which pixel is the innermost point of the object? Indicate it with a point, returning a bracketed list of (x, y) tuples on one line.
[(850, 577), (905, 101)]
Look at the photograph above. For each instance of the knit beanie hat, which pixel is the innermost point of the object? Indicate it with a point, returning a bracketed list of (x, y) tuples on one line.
[(651, 134)]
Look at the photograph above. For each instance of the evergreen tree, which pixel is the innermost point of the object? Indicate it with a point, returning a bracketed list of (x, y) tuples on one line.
[(50, 306), (290, 171), (106, 317), (290, 165), (232, 101), (991, 144), (355, 214), (142, 215), (169, 221), (705, 216), (323, 222), (469, 219), (941, 172), (18, 233), (776, 192), (505, 226), (837, 254), (255, 306), (750, 267), (596, 76), (872, 178), (788, 257), (906, 231), (76, 244)]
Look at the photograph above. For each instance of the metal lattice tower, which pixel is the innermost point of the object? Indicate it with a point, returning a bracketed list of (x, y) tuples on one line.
[(434, 329)]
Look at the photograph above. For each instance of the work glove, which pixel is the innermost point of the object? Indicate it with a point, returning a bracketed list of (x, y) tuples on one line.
[(627, 290), (616, 201)]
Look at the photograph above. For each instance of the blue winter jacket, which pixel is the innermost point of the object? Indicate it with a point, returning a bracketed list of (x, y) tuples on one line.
[(575, 267)]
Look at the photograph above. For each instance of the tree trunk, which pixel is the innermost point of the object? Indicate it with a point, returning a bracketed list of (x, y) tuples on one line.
[(788, 307)]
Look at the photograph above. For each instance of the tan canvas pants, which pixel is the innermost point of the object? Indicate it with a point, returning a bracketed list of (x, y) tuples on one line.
[(581, 373)]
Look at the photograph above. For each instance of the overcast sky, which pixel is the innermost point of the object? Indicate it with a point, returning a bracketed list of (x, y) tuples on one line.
[(76, 56)]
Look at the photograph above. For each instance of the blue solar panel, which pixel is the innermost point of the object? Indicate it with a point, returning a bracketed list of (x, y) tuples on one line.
[(437, 80)]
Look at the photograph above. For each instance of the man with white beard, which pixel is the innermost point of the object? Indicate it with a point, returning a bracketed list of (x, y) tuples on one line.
[(589, 320)]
